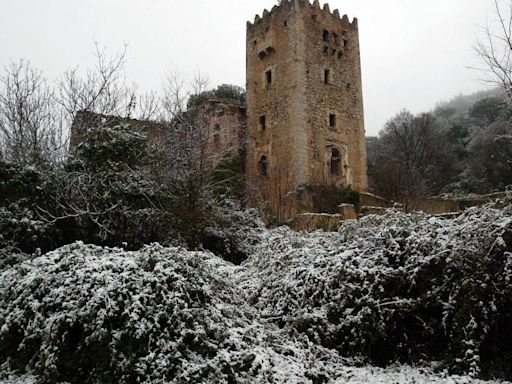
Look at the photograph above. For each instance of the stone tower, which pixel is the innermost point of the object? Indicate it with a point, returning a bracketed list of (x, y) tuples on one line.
[(304, 105)]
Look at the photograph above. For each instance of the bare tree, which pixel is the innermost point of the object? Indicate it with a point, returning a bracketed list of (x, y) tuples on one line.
[(103, 89), (495, 48), (490, 159), (408, 150), (187, 151), (149, 107), (30, 126)]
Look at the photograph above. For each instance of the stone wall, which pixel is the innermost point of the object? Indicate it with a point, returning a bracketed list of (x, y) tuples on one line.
[(333, 87), (226, 125), (85, 120), (303, 65)]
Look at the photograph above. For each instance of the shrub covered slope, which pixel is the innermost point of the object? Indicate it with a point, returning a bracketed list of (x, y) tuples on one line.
[(303, 307)]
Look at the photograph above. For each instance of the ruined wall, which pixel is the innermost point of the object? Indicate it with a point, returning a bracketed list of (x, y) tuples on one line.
[(291, 140), (85, 120), (226, 124)]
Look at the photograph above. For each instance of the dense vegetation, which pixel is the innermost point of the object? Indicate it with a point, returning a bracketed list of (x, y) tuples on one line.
[(462, 146), (302, 308)]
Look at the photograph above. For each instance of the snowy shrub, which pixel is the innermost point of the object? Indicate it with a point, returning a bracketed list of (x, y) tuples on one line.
[(10, 256), (86, 314), (234, 233), (400, 287), (108, 193), (22, 198)]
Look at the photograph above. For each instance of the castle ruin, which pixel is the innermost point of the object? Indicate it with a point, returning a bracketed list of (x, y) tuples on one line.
[(303, 122), (304, 104)]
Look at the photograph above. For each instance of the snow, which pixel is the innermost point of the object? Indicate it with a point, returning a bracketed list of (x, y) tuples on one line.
[(169, 314)]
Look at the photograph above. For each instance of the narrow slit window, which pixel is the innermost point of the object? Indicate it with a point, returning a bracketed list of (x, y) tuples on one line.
[(325, 35), (263, 123), (263, 166), (268, 76), (335, 162), (345, 39), (327, 76), (332, 120)]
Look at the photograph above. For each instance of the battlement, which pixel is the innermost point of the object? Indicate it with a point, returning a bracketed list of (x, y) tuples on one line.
[(303, 6)]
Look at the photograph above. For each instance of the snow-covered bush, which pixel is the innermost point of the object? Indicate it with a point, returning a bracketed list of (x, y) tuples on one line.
[(87, 314), (22, 195), (109, 192), (234, 233), (400, 287)]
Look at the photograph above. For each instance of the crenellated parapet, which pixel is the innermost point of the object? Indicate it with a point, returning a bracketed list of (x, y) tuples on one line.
[(305, 122), (313, 8)]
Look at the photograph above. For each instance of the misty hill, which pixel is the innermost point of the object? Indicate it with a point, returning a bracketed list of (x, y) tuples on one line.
[(461, 146)]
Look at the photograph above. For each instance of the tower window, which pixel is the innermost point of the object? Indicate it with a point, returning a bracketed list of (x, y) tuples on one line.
[(268, 76), (216, 140), (262, 123), (216, 136), (285, 23), (263, 166), (325, 35), (332, 120), (327, 76), (335, 162), (345, 39)]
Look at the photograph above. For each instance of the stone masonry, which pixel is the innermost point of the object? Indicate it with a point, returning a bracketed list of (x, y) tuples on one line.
[(304, 104), (302, 124)]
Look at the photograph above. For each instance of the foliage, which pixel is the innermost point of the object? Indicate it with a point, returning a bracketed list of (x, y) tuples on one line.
[(490, 155), (158, 315), (414, 159), (229, 176), (224, 92), (467, 152), (327, 198), (22, 191), (301, 308), (110, 193), (234, 234), (400, 287), (118, 148)]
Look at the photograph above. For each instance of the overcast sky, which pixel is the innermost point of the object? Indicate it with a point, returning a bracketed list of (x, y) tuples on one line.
[(414, 52)]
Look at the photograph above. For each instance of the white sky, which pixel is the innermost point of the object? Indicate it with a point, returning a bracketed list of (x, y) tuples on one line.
[(414, 52)]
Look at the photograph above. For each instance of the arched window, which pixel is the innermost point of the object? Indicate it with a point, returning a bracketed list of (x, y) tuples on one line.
[(326, 35), (263, 166), (335, 162)]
